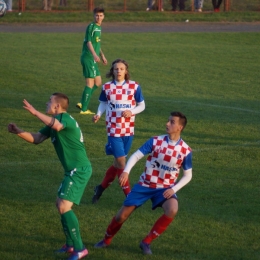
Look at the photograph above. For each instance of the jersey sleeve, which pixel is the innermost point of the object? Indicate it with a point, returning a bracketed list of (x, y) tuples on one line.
[(45, 131), (62, 120), (103, 97), (139, 95), (187, 162), (88, 35), (147, 147)]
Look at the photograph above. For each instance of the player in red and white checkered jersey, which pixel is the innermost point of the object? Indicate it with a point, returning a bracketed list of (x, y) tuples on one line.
[(167, 155), (122, 99)]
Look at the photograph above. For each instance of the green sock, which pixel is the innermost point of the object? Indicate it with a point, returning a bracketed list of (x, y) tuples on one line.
[(69, 241), (86, 95), (94, 88), (72, 226)]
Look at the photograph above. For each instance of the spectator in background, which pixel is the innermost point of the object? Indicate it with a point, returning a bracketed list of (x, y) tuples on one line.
[(180, 3), (63, 2), (216, 4), (47, 5), (198, 5), (151, 3), (9, 4)]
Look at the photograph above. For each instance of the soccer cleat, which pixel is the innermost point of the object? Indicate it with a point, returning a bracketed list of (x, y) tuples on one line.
[(65, 249), (78, 254), (98, 190), (101, 244), (88, 112), (146, 248), (79, 105)]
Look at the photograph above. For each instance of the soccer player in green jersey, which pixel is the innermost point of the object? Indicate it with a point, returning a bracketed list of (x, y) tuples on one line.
[(91, 54), (67, 138)]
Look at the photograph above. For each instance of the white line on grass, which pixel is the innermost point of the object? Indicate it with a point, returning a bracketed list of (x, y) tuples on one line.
[(170, 101), (219, 147), (210, 105)]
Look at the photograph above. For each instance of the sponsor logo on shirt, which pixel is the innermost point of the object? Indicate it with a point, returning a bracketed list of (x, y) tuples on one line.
[(167, 168), (119, 106)]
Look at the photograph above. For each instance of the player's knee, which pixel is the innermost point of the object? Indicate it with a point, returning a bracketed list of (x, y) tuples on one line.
[(171, 212), (121, 217)]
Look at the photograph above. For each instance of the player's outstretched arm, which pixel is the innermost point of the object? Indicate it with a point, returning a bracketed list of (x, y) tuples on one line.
[(47, 120), (35, 138)]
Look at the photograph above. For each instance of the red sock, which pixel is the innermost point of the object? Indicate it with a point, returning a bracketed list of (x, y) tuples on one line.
[(126, 188), (158, 228), (109, 177), (111, 231)]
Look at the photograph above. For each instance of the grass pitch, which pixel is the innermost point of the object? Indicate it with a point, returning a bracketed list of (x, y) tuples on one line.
[(211, 77)]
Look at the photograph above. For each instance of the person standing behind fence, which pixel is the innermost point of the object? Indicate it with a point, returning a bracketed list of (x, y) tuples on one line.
[(9, 4), (63, 2), (47, 5), (216, 5), (198, 5), (91, 55), (180, 3)]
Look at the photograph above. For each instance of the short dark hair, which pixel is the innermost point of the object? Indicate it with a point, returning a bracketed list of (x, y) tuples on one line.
[(182, 118), (99, 10), (62, 99), (111, 74)]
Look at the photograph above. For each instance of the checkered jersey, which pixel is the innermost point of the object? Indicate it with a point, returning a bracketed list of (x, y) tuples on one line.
[(164, 162), (120, 98)]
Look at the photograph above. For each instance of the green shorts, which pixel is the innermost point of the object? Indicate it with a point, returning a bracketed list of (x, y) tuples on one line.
[(90, 68), (74, 184)]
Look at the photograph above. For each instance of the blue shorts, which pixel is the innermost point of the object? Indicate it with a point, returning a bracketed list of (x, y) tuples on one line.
[(139, 195), (119, 146)]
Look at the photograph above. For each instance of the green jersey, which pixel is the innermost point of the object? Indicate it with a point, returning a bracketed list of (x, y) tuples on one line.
[(68, 142), (93, 35)]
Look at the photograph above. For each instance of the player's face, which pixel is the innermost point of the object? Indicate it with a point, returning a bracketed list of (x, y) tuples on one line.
[(51, 106), (99, 17), (173, 125), (119, 71)]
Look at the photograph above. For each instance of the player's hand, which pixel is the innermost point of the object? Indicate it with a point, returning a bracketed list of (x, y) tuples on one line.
[(104, 60), (168, 193), (96, 58), (123, 178), (95, 118), (126, 113), (12, 128), (29, 107)]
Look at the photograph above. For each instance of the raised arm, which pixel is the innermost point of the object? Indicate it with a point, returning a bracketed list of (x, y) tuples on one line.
[(35, 138), (47, 120)]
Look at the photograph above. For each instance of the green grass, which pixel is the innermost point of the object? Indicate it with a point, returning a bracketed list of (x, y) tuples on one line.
[(211, 77), (134, 16)]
